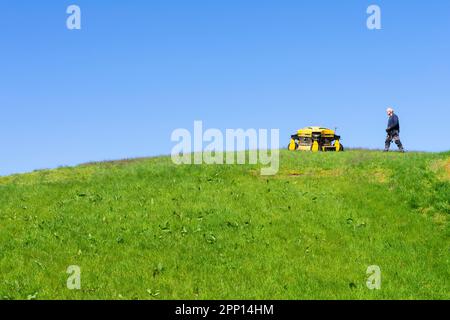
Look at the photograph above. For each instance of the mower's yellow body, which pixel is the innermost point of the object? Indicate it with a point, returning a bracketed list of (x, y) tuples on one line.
[(315, 139)]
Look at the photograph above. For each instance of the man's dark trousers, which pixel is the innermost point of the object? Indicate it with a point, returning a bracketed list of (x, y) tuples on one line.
[(393, 136)]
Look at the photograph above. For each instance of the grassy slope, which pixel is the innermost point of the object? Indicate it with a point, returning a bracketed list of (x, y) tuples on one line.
[(148, 229)]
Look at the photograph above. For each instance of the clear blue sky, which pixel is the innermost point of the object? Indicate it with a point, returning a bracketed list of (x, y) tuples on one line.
[(140, 69)]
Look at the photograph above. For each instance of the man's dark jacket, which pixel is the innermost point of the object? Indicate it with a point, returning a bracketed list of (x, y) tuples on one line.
[(393, 124)]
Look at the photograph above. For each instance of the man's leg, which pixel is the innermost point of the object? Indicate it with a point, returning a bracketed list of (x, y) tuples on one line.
[(387, 143), (397, 141)]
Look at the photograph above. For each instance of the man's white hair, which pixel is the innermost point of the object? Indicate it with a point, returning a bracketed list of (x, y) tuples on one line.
[(389, 110)]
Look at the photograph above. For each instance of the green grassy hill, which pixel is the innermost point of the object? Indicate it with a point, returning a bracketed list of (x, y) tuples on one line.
[(147, 229)]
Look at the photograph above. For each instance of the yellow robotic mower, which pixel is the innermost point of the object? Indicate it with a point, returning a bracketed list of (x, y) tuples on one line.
[(315, 139)]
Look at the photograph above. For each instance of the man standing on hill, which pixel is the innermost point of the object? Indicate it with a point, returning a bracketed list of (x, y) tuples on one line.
[(393, 131)]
